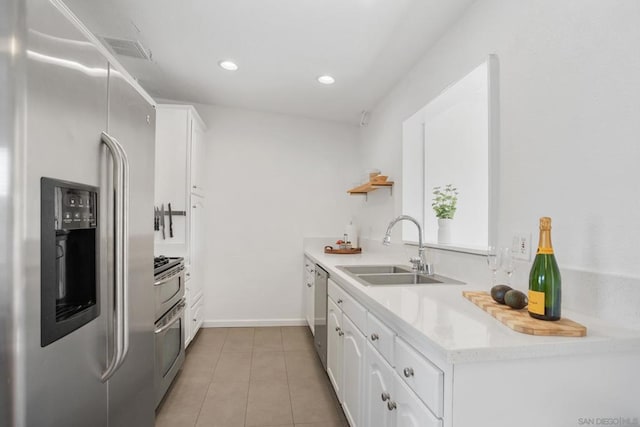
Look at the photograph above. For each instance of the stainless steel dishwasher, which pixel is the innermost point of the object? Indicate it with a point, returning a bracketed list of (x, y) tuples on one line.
[(320, 322)]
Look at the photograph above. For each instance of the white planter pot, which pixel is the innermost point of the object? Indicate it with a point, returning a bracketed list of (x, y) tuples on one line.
[(444, 231)]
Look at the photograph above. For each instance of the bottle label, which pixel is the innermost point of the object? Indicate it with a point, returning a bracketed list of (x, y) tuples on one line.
[(545, 251), (536, 302)]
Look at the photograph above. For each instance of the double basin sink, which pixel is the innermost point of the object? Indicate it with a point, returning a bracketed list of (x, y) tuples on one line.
[(389, 275)]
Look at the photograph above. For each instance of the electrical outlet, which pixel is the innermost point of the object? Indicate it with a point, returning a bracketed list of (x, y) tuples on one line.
[(521, 246)]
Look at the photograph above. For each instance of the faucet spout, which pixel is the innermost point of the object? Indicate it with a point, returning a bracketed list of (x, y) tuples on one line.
[(419, 263)]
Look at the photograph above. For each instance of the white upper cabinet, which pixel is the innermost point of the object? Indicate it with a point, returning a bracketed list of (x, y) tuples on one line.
[(171, 155), (179, 150), (198, 167)]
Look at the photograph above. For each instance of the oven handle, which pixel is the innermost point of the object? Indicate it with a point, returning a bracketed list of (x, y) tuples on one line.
[(121, 256), (167, 279), (181, 306)]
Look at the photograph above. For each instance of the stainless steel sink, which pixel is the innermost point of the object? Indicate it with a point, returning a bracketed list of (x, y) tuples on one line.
[(375, 269), (398, 279), (393, 275)]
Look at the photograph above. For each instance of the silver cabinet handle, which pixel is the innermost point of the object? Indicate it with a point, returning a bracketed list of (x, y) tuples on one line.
[(121, 254), (408, 372), (338, 329), (340, 333), (391, 405), (339, 301), (374, 337), (385, 396)]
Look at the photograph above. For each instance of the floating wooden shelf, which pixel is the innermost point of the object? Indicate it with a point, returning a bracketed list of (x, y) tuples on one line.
[(371, 186)]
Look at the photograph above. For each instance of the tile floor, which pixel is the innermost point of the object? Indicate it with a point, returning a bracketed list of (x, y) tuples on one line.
[(254, 377)]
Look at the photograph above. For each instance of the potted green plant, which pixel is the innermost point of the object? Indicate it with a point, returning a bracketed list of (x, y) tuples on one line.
[(444, 204)]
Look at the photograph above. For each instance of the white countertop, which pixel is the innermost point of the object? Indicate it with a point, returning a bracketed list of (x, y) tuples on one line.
[(441, 318)]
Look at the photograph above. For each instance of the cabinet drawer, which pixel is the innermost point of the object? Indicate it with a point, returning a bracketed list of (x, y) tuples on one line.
[(356, 312), (309, 266), (380, 337), (421, 375), (335, 292), (411, 410)]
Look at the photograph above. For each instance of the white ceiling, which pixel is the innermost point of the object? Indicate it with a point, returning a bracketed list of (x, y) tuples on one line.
[(281, 47)]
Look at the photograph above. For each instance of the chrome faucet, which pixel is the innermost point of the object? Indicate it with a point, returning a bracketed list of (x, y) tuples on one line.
[(418, 264)]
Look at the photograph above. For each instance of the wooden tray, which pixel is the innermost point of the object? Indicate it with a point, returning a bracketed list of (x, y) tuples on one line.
[(330, 250), (520, 321)]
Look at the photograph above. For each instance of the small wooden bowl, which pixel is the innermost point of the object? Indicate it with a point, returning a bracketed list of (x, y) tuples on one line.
[(379, 179)]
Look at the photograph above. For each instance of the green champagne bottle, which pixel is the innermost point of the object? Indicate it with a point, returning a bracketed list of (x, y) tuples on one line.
[(544, 278)]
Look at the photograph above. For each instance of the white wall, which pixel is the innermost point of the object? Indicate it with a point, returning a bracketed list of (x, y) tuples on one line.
[(570, 132), (272, 179)]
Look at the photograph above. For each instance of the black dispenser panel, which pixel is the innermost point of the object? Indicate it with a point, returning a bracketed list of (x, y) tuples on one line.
[(69, 258)]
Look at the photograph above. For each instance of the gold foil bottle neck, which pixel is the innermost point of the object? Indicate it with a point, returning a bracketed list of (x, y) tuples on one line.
[(545, 223)]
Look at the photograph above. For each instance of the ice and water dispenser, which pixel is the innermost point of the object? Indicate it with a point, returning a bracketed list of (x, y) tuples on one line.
[(69, 258)]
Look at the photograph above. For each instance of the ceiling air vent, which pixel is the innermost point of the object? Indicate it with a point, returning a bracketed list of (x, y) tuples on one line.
[(131, 48)]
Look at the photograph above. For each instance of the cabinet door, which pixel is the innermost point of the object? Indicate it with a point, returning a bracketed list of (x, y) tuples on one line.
[(197, 159), (353, 349), (379, 377), (197, 246), (196, 317), (309, 291), (172, 130), (334, 346), (187, 313), (411, 412)]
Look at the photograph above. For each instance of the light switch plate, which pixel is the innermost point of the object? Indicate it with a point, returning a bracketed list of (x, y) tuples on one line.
[(521, 246)]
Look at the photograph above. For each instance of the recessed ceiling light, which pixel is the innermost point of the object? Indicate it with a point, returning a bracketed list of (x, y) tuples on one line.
[(326, 80), (228, 65)]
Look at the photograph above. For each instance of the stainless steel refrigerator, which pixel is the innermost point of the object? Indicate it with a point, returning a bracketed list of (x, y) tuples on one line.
[(76, 239)]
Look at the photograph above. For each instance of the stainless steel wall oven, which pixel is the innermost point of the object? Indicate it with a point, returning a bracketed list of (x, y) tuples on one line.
[(170, 322)]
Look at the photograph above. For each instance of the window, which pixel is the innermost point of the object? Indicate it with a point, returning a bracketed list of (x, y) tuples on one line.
[(453, 140)]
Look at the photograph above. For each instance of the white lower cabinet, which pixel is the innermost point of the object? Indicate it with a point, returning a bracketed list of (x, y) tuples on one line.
[(196, 318), (379, 378), (411, 412), (361, 369), (389, 402), (334, 346), (187, 311), (422, 376), (346, 347), (353, 357), (309, 293), (386, 379)]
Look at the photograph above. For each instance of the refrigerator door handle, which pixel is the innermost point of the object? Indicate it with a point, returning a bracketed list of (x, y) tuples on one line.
[(121, 245)]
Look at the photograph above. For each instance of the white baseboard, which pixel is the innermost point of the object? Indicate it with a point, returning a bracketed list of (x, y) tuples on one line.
[(248, 323)]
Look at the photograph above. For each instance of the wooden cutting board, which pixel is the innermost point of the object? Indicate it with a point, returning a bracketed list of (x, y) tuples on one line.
[(520, 321)]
